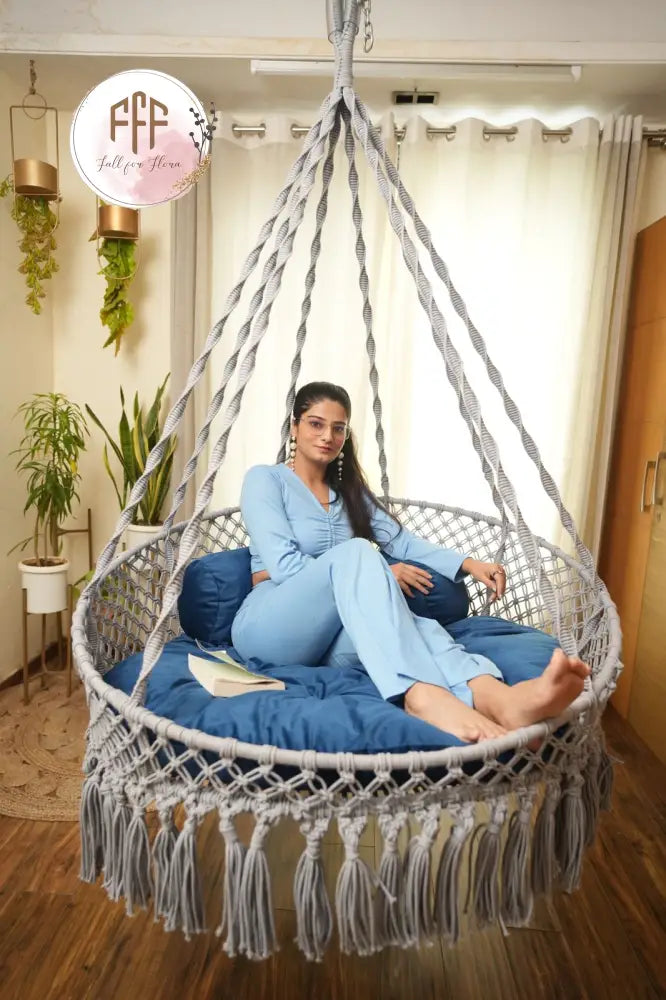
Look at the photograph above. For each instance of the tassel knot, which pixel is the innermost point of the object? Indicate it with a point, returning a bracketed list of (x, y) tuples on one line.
[(447, 899), (314, 919), (389, 914), (419, 922), (257, 926), (353, 893), (235, 853)]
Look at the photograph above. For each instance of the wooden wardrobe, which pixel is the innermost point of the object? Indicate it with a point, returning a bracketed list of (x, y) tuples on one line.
[(633, 551)]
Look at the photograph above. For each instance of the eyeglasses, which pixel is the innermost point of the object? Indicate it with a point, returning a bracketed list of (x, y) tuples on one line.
[(317, 427)]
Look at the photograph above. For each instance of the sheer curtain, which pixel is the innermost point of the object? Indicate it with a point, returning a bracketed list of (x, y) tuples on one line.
[(191, 262), (518, 222)]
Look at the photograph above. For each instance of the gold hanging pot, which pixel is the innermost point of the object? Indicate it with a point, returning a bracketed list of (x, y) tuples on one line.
[(116, 222), (35, 178)]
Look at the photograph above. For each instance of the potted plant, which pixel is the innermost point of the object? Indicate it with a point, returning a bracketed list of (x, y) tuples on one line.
[(135, 442), (36, 222), (49, 452), (118, 231)]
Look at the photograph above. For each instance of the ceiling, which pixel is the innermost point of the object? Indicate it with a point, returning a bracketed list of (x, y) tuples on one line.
[(603, 88)]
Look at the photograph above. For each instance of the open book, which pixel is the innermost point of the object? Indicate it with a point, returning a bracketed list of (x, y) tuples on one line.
[(224, 678)]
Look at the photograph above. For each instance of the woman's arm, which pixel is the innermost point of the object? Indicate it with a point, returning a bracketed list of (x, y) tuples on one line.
[(396, 541), (264, 515)]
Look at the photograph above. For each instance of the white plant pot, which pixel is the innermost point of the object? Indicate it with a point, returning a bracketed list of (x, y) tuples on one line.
[(141, 534), (46, 587)]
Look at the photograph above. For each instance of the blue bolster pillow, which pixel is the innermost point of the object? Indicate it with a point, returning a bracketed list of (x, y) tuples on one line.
[(214, 587)]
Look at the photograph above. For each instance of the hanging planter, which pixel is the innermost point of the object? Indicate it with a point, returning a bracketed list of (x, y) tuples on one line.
[(33, 184), (116, 235)]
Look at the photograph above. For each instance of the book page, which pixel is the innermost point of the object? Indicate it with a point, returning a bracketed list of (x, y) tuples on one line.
[(226, 669)]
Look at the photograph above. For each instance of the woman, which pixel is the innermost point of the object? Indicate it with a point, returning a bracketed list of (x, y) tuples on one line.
[(323, 594)]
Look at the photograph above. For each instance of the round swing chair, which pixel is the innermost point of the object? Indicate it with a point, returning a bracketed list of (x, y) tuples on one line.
[(517, 816)]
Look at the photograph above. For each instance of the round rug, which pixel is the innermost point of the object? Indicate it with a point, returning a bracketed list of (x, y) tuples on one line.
[(41, 750)]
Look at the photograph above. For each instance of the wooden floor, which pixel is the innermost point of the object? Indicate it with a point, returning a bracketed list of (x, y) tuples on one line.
[(64, 940)]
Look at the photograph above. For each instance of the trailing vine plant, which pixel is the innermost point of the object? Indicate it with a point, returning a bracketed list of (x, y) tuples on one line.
[(37, 222), (119, 269)]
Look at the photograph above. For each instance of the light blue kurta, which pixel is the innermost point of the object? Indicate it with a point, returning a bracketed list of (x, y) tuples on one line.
[(332, 598)]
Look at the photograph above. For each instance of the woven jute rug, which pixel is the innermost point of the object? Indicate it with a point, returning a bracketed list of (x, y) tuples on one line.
[(41, 750)]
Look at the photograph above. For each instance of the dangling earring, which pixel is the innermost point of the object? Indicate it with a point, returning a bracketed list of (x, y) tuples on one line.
[(292, 452), (340, 459)]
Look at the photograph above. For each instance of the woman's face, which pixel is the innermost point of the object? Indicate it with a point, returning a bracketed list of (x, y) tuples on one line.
[(321, 432)]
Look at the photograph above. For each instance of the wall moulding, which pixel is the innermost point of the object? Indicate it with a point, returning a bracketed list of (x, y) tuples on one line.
[(384, 49)]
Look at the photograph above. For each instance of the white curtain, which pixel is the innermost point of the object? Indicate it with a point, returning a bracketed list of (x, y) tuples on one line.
[(518, 223), (191, 263)]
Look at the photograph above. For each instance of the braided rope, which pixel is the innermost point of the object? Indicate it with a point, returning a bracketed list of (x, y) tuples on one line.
[(468, 400), (364, 285), (252, 337), (175, 415), (511, 408), (315, 250)]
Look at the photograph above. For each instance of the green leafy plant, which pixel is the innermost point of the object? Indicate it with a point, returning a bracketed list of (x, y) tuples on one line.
[(36, 222), (116, 312), (49, 452), (134, 444)]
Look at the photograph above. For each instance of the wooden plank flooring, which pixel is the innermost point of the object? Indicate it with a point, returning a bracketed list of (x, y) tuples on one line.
[(63, 940)]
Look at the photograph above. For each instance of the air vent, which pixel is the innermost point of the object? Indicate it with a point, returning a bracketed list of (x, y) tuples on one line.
[(415, 97)]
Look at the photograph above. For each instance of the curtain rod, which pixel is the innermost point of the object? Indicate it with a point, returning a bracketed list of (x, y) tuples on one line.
[(654, 136)]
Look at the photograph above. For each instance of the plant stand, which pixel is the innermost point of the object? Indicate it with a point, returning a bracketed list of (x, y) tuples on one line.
[(44, 670)]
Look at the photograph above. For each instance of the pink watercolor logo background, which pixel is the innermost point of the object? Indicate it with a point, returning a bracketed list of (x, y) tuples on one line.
[(149, 176)]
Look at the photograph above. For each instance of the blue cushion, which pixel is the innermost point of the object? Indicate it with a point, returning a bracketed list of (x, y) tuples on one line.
[(447, 602), (214, 587), (329, 709)]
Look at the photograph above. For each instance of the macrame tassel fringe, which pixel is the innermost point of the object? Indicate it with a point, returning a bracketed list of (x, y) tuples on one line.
[(92, 834), (235, 853), (108, 809), (517, 895), (186, 909), (163, 848), (486, 869), (114, 857), (353, 893), (447, 890), (314, 919), (570, 831), (137, 877), (389, 916), (605, 779), (419, 923), (257, 926), (590, 793), (544, 861)]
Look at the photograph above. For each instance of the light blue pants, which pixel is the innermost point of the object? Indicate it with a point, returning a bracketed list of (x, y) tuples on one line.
[(347, 607)]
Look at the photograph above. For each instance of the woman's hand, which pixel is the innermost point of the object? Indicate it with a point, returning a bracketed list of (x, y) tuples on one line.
[(412, 576), (492, 575)]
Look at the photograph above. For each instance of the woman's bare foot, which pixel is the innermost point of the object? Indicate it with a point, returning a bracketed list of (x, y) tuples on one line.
[(442, 709), (531, 701)]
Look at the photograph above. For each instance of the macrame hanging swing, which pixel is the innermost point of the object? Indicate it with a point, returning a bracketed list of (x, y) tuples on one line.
[(520, 817)]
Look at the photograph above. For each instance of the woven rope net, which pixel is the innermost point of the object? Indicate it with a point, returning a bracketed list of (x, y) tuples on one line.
[(520, 817)]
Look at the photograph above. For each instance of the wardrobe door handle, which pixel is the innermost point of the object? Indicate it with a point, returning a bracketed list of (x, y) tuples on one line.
[(662, 454), (645, 506)]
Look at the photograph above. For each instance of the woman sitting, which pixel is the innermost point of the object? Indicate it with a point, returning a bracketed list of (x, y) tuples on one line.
[(323, 594)]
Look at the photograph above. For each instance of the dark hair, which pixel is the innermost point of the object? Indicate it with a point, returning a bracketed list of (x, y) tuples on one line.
[(352, 487)]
